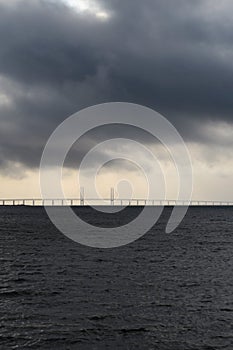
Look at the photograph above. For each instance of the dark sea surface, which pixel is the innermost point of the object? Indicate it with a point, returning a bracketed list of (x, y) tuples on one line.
[(164, 291)]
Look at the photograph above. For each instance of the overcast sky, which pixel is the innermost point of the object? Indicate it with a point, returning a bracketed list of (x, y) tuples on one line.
[(59, 56)]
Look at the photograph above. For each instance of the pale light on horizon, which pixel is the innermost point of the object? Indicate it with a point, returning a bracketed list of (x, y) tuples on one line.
[(212, 175)]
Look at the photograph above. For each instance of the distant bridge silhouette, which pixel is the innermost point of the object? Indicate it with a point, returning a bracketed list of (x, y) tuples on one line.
[(109, 202), (112, 201)]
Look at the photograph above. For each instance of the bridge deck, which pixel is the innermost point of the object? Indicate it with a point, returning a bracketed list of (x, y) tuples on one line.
[(111, 201)]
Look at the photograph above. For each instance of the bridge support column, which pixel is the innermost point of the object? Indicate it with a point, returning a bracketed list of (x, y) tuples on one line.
[(112, 196), (82, 196)]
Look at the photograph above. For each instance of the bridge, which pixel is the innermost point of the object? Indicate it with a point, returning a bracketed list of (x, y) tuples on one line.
[(112, 201), (106, 201)]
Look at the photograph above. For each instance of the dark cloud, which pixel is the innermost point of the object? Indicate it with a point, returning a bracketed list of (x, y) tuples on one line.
[(174, 56)]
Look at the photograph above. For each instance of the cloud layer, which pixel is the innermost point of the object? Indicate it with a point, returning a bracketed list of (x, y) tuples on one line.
[(173, 56)]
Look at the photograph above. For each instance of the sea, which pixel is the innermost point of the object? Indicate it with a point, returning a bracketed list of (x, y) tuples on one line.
[(165, 291)]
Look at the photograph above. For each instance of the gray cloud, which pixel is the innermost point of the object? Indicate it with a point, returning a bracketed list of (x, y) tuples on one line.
[(174, 56)]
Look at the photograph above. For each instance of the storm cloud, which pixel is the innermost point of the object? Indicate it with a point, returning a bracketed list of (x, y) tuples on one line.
[(173, 56)]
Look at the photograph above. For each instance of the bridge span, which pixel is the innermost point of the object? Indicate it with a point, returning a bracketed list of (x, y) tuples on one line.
[(109, 202)]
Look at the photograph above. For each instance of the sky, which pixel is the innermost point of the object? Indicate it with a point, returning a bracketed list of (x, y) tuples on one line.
[(60, 56)]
